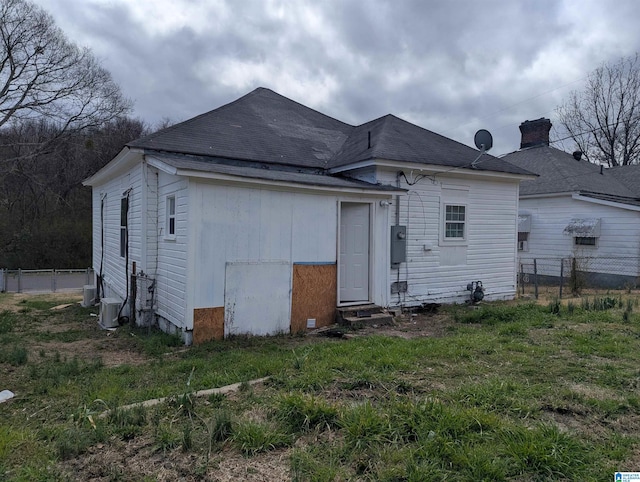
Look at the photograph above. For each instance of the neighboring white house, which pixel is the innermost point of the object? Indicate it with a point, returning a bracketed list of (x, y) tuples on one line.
[(263, 216), (576, 209)]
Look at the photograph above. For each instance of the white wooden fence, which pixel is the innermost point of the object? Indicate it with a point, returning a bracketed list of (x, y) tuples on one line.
[(44, 280)]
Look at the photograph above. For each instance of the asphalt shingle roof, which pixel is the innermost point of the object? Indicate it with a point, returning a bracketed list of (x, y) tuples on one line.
[(559, 172), (629, 176), (261, 125), (267, 127), (395, 139)]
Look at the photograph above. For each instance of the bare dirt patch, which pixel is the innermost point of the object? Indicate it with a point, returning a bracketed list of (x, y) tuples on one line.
[(140, 458), (15, 301), (413, 325)]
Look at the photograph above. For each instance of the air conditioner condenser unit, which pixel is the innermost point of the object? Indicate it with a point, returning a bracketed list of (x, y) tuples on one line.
[(109, 308), (88, 295)]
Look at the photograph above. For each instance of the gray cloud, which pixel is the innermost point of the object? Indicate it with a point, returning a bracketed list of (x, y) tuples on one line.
[(449, 66)]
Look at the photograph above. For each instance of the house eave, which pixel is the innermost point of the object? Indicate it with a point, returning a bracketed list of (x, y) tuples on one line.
[(268, 183), (431, 168), (619, 205), (121, 163), (581, 197), (546, 195)]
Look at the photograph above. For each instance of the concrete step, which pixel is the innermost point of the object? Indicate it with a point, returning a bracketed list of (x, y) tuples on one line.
[(363, 315)]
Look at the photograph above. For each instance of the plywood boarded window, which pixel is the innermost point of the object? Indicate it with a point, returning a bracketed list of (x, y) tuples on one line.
[(208, 324), (314, 295)]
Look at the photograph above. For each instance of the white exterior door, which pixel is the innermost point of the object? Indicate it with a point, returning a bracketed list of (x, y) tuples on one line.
[(354, 252)]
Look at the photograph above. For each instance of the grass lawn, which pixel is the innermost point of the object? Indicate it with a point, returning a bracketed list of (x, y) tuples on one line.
[(505, 392)]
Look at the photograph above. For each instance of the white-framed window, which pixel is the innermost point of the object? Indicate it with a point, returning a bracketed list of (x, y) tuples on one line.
[(455, 222), (585, 241), (124, 211), (171, 217)]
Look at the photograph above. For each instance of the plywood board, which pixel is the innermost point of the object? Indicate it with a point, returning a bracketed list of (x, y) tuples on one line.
[(208, 324), (257, 298), (313, 295)]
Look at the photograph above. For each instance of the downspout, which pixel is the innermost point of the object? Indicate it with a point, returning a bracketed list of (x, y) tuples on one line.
[(100, 285)]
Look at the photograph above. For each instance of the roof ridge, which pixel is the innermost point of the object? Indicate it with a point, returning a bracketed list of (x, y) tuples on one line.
[(300, 104), (191, 120)]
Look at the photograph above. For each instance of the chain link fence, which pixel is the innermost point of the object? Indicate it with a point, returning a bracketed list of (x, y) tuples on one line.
[(44, 280), (570, 276)]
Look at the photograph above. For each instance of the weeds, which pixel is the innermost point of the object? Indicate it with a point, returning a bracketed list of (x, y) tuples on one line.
[(221, 427), (301, 413), (128, 424), (8, 320), (187, 439), (155, 343), (479, 402), (16, 356), (165, 439), (253, 437)]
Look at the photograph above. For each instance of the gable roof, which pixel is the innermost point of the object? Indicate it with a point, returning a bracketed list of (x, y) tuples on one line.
[(559, 172), (266, 127)]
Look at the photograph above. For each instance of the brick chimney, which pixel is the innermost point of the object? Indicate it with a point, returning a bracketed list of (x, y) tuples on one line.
[(535, 132)]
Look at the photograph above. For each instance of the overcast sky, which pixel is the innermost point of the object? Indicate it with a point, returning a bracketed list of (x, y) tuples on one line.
[(450, 66)]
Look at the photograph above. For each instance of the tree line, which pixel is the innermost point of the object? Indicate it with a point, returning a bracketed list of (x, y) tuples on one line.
[(62, 117), (45, 212)]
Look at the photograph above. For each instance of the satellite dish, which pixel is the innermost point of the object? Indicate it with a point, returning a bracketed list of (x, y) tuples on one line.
[(483, 140)]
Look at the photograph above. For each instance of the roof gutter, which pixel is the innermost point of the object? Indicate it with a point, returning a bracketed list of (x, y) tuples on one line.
[(630, 207), (432, 168), (267, 183)]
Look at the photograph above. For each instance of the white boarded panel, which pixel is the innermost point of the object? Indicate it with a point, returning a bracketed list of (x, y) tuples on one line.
[(257, 298)]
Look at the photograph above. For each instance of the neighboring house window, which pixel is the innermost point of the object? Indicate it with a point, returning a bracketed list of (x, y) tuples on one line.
[(585, 241), (585, 231), (455, 222), (523, 241), (124, 209), (171, 216), (524, 228)]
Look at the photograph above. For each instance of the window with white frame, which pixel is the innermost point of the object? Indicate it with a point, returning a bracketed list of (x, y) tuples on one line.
[(124, 211), (454, 216), (171, 217), (455, 222)]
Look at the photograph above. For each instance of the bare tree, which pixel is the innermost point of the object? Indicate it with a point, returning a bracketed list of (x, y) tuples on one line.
[(45, 76), (604, 119)]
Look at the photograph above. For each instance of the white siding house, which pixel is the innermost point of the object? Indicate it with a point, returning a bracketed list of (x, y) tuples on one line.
[(576, 210), (438, 269), (263, 216)]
